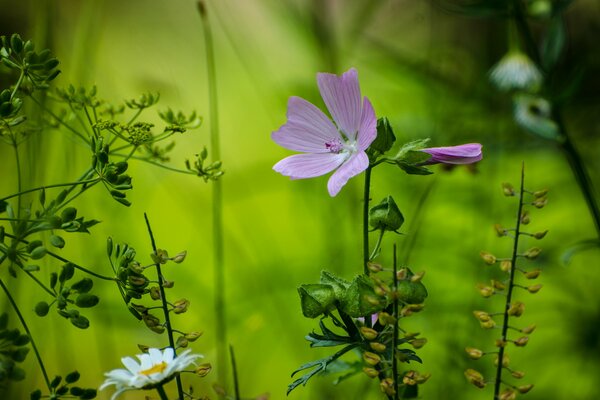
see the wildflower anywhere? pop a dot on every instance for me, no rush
(328, 147)
(515, 71)
(462, 154)
(153, 369)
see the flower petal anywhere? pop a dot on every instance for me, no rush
(307, 128)
(368, 126)
(341, 95)
(463, 154)
(354, 166)
(155, 355)
(300, 166)
(131, 364)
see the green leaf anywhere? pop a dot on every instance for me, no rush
(56, 381)
(67, 271)
(385, 137)
(36, 395)
(19, 354)
(3, 321)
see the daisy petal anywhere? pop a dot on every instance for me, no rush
(307, 128)
(300, 166)
(354, 166)
(368, 126)
(131, 364)
(341, 95)
(155, 355)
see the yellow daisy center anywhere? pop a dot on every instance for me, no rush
(156, 368)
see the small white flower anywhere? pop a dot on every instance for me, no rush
(153, 369)
(515, 71)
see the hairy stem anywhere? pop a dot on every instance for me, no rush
(366, 199)
(217, 198)
(165, 308)
(511, 285)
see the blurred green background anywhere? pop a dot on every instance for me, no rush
(423, 67)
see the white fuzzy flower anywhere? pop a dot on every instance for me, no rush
(153, 369)
(515, 71)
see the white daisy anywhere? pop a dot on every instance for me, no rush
(153, 369)
(515, 71)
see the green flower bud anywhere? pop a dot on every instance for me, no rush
(338, 284)
(316, 299)
(360, 300)
(386, 215)
(410, 292)
(86, 300)
(42, 308)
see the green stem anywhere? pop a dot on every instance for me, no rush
(395, 337)
(165, 306)
(217, 198)
(161, 392)
(18, 84)
(51, 186)
(366, 199)
(24, 324)
(59, 120)
(236, 386)
(154, 163)
(511, 285)
(377, 245)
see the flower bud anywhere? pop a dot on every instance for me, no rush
(488, 258)
(182, 342)
(143, 348)
(516, 309)
(500, 343)
(475, 378)
(387, 386)
(410, 335)
(418, 343)
(525, 217)
(498, 285)
(315, 299)
(181, 306)
(532, 253)
(422, 378)
(417, 277)
(409, 378)
(500, 231)
(505, 361)
(179, 257)
(155, 293)
(508, 189)
(534, 288)
(374, 267)
(158, 329)
(160, 256)
(522, 341)
(474, 354)
(485, 291)
(168, 284)
(371, 372)
(371, 358)
(386, 215)
(203, 369)
(540, 235)
(540, 193)
(378, 347)
(368, 333)
(192, 336)
(482, 316)
(525, 388)
(150, 320)
(508, 394)
(401, 274)
(529, 329)
(540, 203)
(487, 324)
(386, 319)
(505, 265)
(533, 274)
(517, 374)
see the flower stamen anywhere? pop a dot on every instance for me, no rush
(155, 369)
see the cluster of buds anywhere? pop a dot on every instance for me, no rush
(509, 267)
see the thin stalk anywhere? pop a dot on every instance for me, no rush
(161, 392)
(19, 178)
(236, 386)
(24, 324)
(165, 307)
(217, 198)
(498, 380)
(20, 193)
(395, 337)
(377, 245)
(59, 120)
(366, 199)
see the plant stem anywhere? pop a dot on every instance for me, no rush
(165, 307)
(236, 386)
(24, 324)
(19, 178)
(217, 199)
(511, 285)
(20, 193)
(377, 244)
(395, 337)
(161, 392)
(366, 199)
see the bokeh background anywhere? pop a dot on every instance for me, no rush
(422, 66)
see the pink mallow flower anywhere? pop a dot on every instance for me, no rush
(325, 146)
(462, 154)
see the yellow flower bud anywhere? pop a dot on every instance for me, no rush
(528, 329)
(181, 306)
(508, 394)
(516, 309)
(488, 258)
(517, 374)
(525, 388)
(417, 277)
(482, 316)
(488, 324)
(532, 253)
(485, 291)
(474, 353)
(386, 319)
(533, 274)
(409, 378)
(203, 369)
(475, 378)
(505, 265)
(525, 217)
(368, 333)
(534, 288)
(540, 193)
(401, 274)
(540, 235)
(498, 285)
(179, 257)
(371, 358)
(508, 189)
(387, 386)
(505, 361)
(418, 343)
(374, 267)
(522, 341)
(500, 231)
(422, 378)
(371, 372)
(541, 202)
(378, 347)
(500, 343)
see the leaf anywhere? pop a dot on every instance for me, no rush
(385, 137)
(583, 245)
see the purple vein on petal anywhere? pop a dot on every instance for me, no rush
(309, 165)
(341, 95)
(368, 126)
(352, 167)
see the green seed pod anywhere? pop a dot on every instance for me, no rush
(83, 286)
(68, 214)
(16, 43)
(411, 292)
(80, 322)
(316, 299)
(360, 300)
(386, 215)
(57, 241)
(339, 285)
(41, 309)
(38, 253)
(66, 273)
(86, 300)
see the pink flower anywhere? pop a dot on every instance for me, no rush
(463, 154)
(327, 147)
